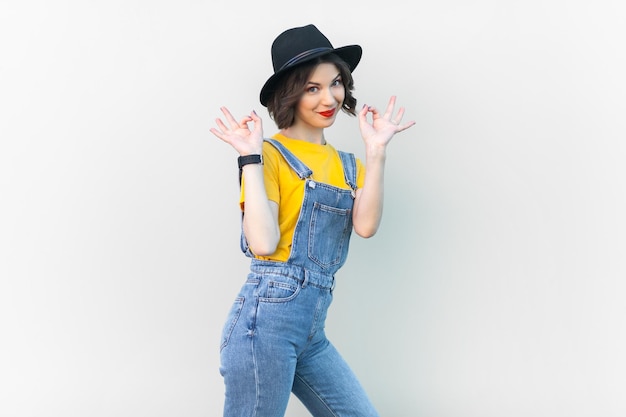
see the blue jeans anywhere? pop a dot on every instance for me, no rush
(274, 343)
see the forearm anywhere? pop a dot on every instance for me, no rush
(368, 204)
(260, 221)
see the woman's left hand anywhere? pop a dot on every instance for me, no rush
(379, 132)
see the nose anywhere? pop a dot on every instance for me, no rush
(328, 98)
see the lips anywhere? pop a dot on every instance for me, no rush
(328, 113)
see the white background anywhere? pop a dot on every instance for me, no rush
(495, 286)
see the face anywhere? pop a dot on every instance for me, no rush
(322, 98)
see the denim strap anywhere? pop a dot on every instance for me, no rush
(349, 168)
(302, 170)
(347, 159)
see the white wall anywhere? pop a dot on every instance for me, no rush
(494, 288)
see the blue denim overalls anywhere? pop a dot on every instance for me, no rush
(273, 340)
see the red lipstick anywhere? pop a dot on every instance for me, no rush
(328, 113)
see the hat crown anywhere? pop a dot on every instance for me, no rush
(303, 44)
(296, 44)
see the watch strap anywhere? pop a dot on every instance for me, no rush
(249, 159)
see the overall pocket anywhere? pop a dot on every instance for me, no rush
(329, 232)
(277, 288)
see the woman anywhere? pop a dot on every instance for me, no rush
(301, 198)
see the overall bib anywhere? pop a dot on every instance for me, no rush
(273, 342)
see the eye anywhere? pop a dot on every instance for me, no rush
(312, 89)
(337, 82)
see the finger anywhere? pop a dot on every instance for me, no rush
(218, 133)
(390, 106)
(221, 125)
(399, 115)
(229, 117)
(375, 112)
(255, 117)
(244, 122)
(404, 126)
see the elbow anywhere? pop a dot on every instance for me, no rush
(265, 246)
(366, 222)
(262, 250)
(365, 232)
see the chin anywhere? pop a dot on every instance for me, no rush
(328, 122)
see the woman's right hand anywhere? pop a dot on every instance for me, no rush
(238, 134)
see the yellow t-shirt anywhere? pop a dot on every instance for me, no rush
(284, 187)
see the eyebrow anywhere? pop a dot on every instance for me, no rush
(317, 84)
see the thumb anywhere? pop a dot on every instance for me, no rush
(258, 122)
(363, 114)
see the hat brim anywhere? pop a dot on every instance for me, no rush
(351, 54)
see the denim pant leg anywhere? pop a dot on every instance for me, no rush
(326, 385)
(258, 355)
(257, 384)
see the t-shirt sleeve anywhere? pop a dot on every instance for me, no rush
(270, 175)
(360, 173)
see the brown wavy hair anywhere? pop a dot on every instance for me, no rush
(281, 105)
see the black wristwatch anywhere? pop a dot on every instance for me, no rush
(249, 159)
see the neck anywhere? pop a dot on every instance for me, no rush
(308, 135)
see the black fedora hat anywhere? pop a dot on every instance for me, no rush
(297, 45)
